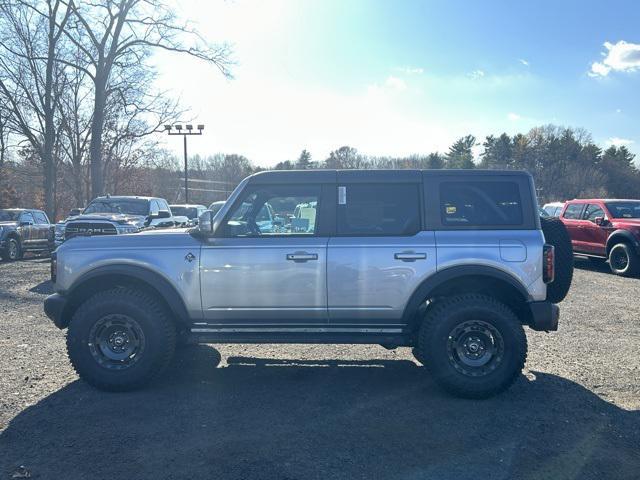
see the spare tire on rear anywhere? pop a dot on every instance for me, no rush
(555, 233)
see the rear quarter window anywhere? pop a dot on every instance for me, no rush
(482, 204)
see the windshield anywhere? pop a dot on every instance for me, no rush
(624, 209)
(189, 212)
(9, 215)
(125, 206)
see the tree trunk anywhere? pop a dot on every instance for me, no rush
(49, 127)
(97, 125)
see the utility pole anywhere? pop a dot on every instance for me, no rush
(187, 131)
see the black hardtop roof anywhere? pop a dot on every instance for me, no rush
(364, 176)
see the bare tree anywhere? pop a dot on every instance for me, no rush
(29, 40)
(118, 34)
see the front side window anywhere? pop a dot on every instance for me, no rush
(378, 209)
(273, 211)
(40, 217)
(480, 204)
(629, 209)
(592, 212)
(26, 217)
(573, 211)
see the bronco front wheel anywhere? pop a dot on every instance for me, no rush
(474, 346)
(120, 339)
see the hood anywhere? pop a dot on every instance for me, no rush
(112, 217)
(149, 239)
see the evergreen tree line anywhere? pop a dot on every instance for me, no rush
(564, 162)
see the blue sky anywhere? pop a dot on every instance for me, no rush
(401, 77)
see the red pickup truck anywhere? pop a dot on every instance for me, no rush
(606, 230)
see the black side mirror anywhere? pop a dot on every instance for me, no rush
(601, 221)
(26, 223)
(164, 214)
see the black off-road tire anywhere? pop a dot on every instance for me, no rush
(631, 266)
(555, 233)
(152, 325)
(437, 335)
(12, 250)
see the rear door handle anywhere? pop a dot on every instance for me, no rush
(409, 256)
(302, 256)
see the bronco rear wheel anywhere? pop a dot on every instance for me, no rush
(473, 345)
(120, 339)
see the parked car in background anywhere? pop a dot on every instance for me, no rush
(23, 230)
(115, 215)
(553, 209)
(190, 212)
(216, 206)
(606, 230)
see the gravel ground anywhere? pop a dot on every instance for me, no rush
(323, 412)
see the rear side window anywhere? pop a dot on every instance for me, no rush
(573, 211)
(378, 209)
(480, 203)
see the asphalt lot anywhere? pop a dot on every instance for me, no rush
(323, 412)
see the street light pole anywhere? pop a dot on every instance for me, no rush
(188, 130)
(186, 172)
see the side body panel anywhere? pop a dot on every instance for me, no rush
(252, 280)
(370, 279)
(515, 252)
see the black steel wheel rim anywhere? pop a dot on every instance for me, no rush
(475, 348)
(619, 259)
(116, 342)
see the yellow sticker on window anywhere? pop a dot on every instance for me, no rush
(451, 210)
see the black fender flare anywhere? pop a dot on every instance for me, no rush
(621, 235)
(434, 281)
(154, 280)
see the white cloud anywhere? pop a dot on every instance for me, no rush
(411, 70)
(618, 110)
(619, 142)
(395, 83)
(523, 62)
(476, 74)
(621, 57)
(513, 116)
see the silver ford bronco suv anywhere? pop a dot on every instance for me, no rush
(450, 263)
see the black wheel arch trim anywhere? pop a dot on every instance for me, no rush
(153, 279)
(434, 281)
(617, 236)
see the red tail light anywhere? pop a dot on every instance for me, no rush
(548, 263)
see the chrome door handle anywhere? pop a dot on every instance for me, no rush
(302, 256)
(410, 256)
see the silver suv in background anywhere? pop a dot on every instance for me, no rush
(189, 212)
(451, 263)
